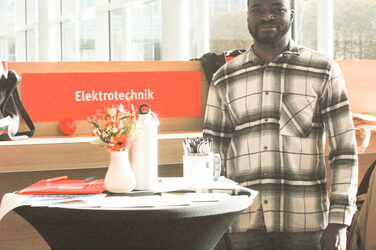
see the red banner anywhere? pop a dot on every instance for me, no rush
(3, 67)
(57, 96)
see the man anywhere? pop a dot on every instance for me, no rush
(268, 112)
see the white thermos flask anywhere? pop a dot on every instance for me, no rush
(145, 149)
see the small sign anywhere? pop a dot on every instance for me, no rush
(57, 96)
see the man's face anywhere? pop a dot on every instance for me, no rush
(269, 20)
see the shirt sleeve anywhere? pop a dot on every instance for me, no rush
(335, 109)
(217, 123)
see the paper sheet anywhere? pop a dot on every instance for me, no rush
(142, 202)
(82, 200)
(168, 192)
(223, 185)
(11, 201)
(163, 200)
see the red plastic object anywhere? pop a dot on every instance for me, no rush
(67, 126)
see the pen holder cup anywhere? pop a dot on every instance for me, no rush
(201, 170)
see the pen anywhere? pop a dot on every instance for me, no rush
(60, 178)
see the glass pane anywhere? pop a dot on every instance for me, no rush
(69, 42)
(227, 5)
(306, 19)
(238, 5)
(354, 29)
(31, 11)
(87, 40)
(7, 28)
(7, 15)
(57, 8)
(68, 7)
(84, 4)
(79, 41)
(7, 49)
(136, 32)
(228, 25)
(32, 48)
(193, 29)
(219, 6)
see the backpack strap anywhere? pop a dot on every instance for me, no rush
(363, 186)
(24, 115)
(6, 88)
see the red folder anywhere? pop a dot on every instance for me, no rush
(61, 185)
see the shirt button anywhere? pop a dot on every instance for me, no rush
(266, 92)
(266, 202)
(265, 148)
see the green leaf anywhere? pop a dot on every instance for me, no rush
(127, 129)
(99, 142)
(95, 124)
(124, 115)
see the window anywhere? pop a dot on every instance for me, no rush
(79, 30)
(70, 7)
(32, 45)
(31, 11)
(7, 30)
(306, 23)
(228, 25)
(136, 32)
(69, 38)
(355, 29)
(227, 5)
(87, 40)
(32, 34)
(78, 43)
(192, 24)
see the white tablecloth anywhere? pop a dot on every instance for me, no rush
(168, 193)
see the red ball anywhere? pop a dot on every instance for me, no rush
(67, 126)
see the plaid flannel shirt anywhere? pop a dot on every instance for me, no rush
(269, 122)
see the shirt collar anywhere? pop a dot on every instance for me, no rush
(291, 49)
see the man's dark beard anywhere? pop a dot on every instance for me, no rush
(272, 41)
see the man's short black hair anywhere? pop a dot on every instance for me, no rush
(291, 3)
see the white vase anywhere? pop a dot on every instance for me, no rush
(119, 177)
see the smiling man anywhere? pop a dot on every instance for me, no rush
(268, 112)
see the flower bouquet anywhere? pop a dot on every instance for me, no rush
(115, 128)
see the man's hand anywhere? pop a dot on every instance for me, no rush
(334, 237)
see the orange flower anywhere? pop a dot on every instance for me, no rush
(115, 128)
(120, 142)
(3, 132)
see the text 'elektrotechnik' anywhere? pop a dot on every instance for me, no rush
(99, 96)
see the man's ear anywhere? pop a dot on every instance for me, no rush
(292, 15)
